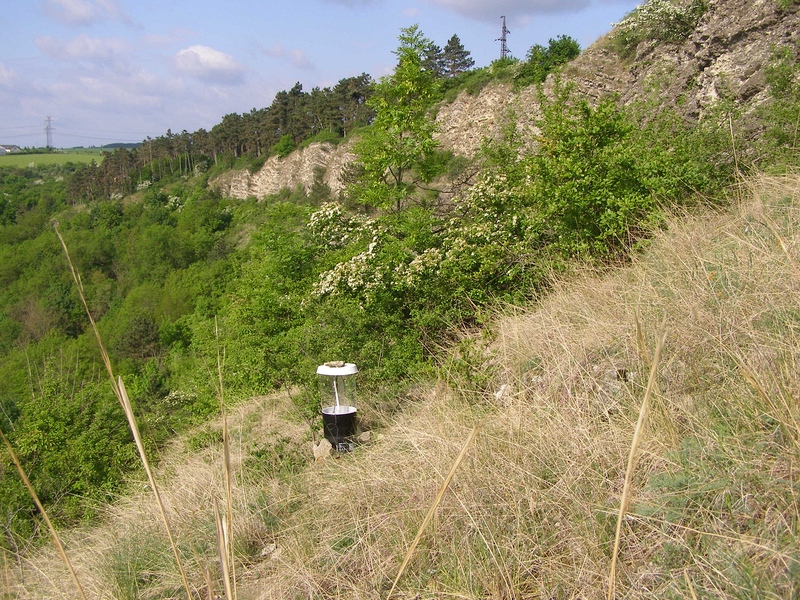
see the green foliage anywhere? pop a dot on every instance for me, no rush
(782, 114)
(323, 137)
(541, 61)
(588, 186)
(255, 164)
(401, 136)
(284, 146)
(472, 82)
(599, 178)
(71, 435)
(146, 268)
(504, 69)
(659, 20)
(279, 457)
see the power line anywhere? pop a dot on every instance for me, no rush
(30, 127)
(32, 130)
(97, 137)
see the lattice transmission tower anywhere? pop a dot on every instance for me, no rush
(504, 51)
(48, 130)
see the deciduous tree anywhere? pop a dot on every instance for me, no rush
(401, 137)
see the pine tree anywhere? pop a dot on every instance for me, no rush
(456, 58)
(433, 60)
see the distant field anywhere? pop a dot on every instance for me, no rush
(23, 160)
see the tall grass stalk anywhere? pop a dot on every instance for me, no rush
(126, 406)
(226, 446)
(433, 508)
(37, 502)
(689, 584)
(223, 544)
(122, 396)
(637, 438)
(787, 411)
(774, 229)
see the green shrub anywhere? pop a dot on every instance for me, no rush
(284, 146)
(782, 114)
(255, 164)
(541, 61)
(324, 137)
(659, 20)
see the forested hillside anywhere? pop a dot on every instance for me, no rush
(419, 247)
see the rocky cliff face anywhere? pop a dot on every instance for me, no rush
(301, 167)
(723, 58)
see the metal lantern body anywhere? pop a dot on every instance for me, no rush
(338, 394)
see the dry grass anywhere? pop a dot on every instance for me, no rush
(53, 533)
(532, 510)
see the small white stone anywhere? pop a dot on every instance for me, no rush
(322, 450)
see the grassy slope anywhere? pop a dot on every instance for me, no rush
(533, 508)
(24, 160)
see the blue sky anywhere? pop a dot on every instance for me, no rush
(122, 70)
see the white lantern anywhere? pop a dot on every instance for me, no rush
(338, 394)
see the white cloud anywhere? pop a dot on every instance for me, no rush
(299, 59)
(296, 57)
(276, 51)
(7, 76)
(82, 12)
(517, 9)
(82, 47)
(169, 39)
(209, 65)
(106, 93)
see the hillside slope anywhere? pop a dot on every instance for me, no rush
(555, 393)
(722, 59)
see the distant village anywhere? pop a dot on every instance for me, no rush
(9, 149)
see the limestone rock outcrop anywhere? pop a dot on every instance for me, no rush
(322, 161)
(724, 57)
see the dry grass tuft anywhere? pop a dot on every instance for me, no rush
(53, 533)
(533, 508)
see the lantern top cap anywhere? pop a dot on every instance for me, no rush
(337, 368)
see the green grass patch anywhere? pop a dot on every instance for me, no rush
(38, 160)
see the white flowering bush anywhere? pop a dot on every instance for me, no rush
(486, 236)
(200, 167)
(174, 203)
(379, 263)
(329, 227)
(362, 274)
(481, 220)
(419, 261)
(661, 20)
(143, 185)
(178, 398)
(420, 270)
